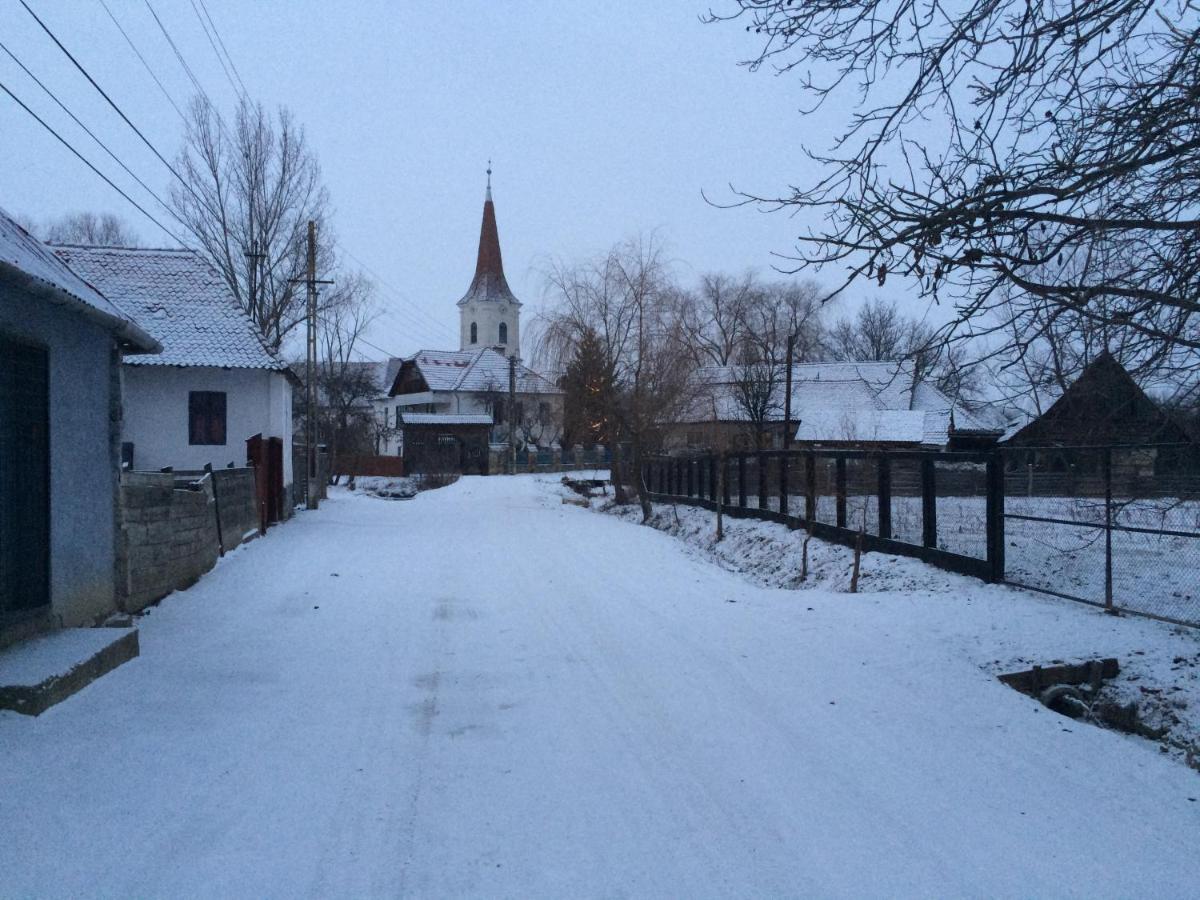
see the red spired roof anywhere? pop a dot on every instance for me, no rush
(489, 284)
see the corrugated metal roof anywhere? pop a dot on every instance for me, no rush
(180, 300)
(25, 253)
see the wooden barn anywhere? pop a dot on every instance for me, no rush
(1105, 408)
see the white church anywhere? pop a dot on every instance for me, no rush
(462, 395)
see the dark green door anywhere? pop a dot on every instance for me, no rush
(24, 478)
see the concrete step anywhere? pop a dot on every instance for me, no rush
(43, 671)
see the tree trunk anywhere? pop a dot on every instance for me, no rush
(639, 483)
(618, 487)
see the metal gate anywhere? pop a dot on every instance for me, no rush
(24, 479)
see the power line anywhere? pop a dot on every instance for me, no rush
(138, 53)
(221, 41)
(111, 102)
(91, 134)
(216, 52)
(88, 163)
(397, 293)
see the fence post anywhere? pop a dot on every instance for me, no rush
(208, 470)
(762, 480)
(885, 496)
(928, 503)
(1108, 530)
(741, 480)
(810, 487)
(783, 483)
(995, 517)
(840, 487)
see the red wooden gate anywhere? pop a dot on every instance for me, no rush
(266, 455)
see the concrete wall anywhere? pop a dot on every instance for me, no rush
(156, 415)
(85, 414)
(169, 534)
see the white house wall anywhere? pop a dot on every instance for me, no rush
(156, 414)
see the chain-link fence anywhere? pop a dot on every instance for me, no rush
(1117, 527)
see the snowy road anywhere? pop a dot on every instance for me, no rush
(482, 692)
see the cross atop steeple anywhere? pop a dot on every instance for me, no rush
(489, 184)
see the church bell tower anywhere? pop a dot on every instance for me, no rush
(489, 314)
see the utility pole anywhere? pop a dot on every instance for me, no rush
(512, 415)
(310, 380)
(787, 394)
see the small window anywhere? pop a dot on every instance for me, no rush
(386, 411)
(543, 413)
(504, 332)
(474, 333)
(206, 417)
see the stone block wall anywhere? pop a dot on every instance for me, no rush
(234, 489)
(169, 532)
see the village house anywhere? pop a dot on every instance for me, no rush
(458, 400)
(62, 343)
(872, 405)
(214, 387)
(1105, 407)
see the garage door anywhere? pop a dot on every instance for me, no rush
(24, 479)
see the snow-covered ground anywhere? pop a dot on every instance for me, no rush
(486, 692)
(1152, 572)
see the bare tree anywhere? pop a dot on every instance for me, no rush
(251, 189)
(347, 386)
(1007, 138)
(879, 332)
(624, 300)
(712, 318)
(95, 230)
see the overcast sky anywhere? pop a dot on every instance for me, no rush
(603, 120)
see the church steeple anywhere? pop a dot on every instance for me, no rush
(489, 312)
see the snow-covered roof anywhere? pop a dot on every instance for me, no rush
(21, 251)
(475, 370)
(833, 400)
(828, 425)
(445, 419)
(180, 300)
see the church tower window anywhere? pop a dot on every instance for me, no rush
(474, 333)
(503, 333)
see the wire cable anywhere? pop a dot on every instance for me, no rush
(88, 163)
(92, 135)
(217, 53)
(220, 41)
(139, 55)
(112, 103)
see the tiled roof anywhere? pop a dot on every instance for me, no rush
(22, 251)
(445, 419)
(180, 300)
(476, 370)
